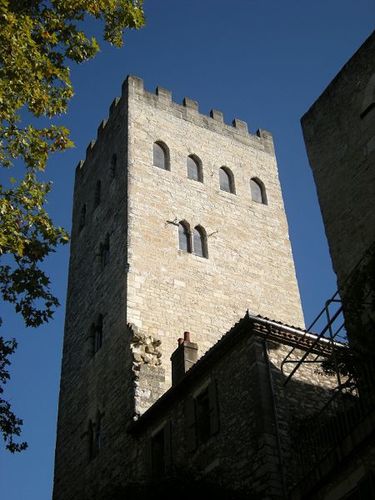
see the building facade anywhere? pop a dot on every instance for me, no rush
(178, 224)
(339, 131)
(231, 422)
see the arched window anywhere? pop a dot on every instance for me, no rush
(184, 236)
(200, 242)
(82, 219)
(161, 155)
(226, 180)
(258, 191)
(98, 194)
(194, 168)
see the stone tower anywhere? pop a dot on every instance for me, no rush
(339, 131)
(178, 224)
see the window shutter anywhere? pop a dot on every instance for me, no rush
(214, 407)
(190, 433)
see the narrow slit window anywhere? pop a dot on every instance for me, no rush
(226, 180)
(98, 194)
(82, 219)
(113, 166)
(200, 242)
(98, 433)
(98, 334)
(104, 251)
(91, 440)
(194, 168)
(184, 237)
(161, 156)
(95, 436)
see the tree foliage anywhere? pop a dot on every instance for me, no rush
(38, 39)
(10, 425)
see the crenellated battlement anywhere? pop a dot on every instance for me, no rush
(190, 108)
(187, 110)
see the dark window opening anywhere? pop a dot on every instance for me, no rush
(202, 416)
(226, 180)
(194, 168)
(113, 166)
(98, 194)
(95, 437)
(91, 441)
(98, 433)
(161, 156)
(82, 219)
(97, 334)
(158, 454)
(104, 251)
(184, 237)
(200, 242)
(258, 191)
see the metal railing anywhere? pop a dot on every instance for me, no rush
(318, 436)
(349, 402)
(332, 335)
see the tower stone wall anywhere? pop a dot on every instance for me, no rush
(132, 292)
(249, 264)
(339, 132)
(96, 385)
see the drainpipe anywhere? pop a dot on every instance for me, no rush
(276, 420)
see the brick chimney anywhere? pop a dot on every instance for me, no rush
(183, 358)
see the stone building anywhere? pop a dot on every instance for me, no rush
(230, 421)
(339, 131)
(179, 225)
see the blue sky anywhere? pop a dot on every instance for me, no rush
(262, 62)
